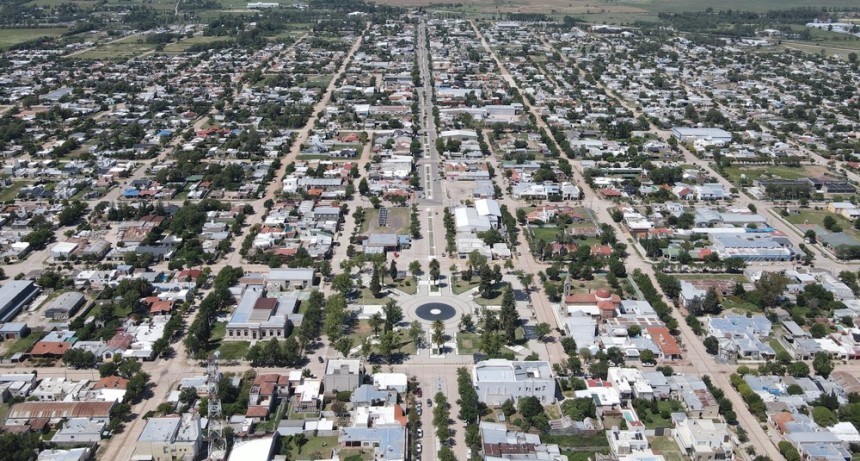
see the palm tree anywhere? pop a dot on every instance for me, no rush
(376, 321)
(438, 334)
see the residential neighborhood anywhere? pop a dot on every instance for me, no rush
(400, 231)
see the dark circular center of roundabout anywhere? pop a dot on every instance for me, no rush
(435, 311)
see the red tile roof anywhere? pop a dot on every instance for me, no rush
(56, 349)
(111, 382)
(664, 340)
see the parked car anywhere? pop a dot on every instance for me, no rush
(418, 447)
(420, 432)
(429, 402)
(419, 392)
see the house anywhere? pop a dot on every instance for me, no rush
(80, 431)
(166, 439)
(14, 295)
(702, 439)
(501, 444)
(23, 413)
(387, 443)
(74, 454)
(498, 380)
(384, 243)
(390, 381)
(343, 375)
(63, 307)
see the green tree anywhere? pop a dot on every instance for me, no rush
(509, 318)
(438, 336)
(822, 364)
(344, 345)
(375, 285)
(376, 321)
(542, 330)
(770, 287)
(393, 314)
(712, 345)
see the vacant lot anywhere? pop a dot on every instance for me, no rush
(752, 173)
(186, 43)
(11, 37)
(398, 222)
(121, 49)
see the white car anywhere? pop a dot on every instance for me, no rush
(418, 447)
(420, 432)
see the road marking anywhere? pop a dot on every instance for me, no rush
(431, 235)
(428, 183)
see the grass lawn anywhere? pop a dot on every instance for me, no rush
(125, 48)
(751, 173)
(547, 234)
(406, 285)
(186, 43)
(667, 447)
(234, 350)
(315, 448)
(11, 37)
(11, 192)
(365, 297)
(468, 343)
(777, 347)
(24, 344)
(4, 410)
(739, 306)
(652, 420)
(494, 301)
(817, 217)
(219, 330)
(462, 286)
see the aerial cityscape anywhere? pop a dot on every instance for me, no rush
(400, 230)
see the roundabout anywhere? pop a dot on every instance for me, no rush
(430, 312)
(446, 308)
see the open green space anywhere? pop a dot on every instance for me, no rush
(547, 234)
(461, 286)
(468, 343)
(315, 448)
(735, 173)
(124, 48)
(667, 447)
(12, 37)
(11, 192)
(185, 43)
(366, 298)
(740, 306)
(579, 447)
(234, 350)
(407, 285)
(24, 344)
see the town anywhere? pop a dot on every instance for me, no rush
(355, 231)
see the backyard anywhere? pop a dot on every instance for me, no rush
(24, 344)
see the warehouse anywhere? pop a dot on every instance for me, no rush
(14, 296)
(63, 307)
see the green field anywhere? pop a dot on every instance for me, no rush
(752, 173)
(11, 37)
(121, 49)
(667, 447)
(816, 217)
(24, 344)
(186, 43)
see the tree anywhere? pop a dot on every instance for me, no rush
(818, 330)
(344, 345)
(393, 314)
(542, 329)
(434, 269)
(375, 322)
(634, 331)
(438, 335)
(798, 369)
(416, 333)
(712, 345)
(569, 345)
(387, 344)
(335, 315)
(822, 364)
(375, 285)
(734, 264)
(342, 283)
(509, 318)
(392, 271)
(467, 323)
(415, 269)
(770, 287)
(647, 356)
(824, 417)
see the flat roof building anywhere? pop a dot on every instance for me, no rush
(64, 306)
(497, 380)
(166, 439)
